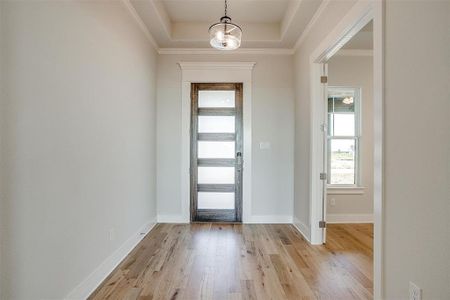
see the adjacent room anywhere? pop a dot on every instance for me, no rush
(224, 149)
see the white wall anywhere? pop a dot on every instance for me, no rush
(356, 71)
(272, 121)
(417, 149)
(78, 141)
(332, 14)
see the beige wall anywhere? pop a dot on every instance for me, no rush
(272, 121)
(417, 149)
(356, 71)
(78, 141)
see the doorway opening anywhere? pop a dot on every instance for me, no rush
(216, 152)
(347, 164)
(363, 14)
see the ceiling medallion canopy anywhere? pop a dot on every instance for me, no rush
(225, 35)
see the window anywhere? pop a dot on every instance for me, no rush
(343, 136)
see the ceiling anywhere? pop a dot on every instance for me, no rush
(185, 23)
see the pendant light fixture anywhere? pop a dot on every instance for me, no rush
(225, 35)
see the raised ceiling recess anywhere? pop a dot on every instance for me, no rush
(185, 23)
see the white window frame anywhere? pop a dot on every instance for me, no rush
(357, 137)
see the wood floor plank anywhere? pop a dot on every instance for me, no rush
(235, 261)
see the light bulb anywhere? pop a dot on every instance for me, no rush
(219, 35)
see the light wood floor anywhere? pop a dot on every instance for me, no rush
(229, 261)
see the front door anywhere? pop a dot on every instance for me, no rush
(216, 152)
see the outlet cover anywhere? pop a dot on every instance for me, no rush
(415, 292)
(332, 202)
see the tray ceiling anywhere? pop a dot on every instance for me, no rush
(265, 23)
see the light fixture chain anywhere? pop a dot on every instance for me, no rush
(226, 8)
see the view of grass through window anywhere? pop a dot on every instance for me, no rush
(343, 136)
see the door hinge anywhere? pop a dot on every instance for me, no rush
(322, 224)
(323, 176)
(323, 79)
(323, 127)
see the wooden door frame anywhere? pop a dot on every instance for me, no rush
(238, 138)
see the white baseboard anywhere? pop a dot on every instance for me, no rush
(302, 228)
(269, 219)
(172, 219)
(90, 283)
(349, 218)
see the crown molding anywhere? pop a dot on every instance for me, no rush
(130, 8)
(211, 51)
(311, 23)
(216, 65)
(354, 52)
(163, 17)
(289, 17)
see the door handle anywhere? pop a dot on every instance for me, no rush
(239, 159)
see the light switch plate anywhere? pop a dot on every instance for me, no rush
(415, 292)
(112, 234)
(264, 145)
